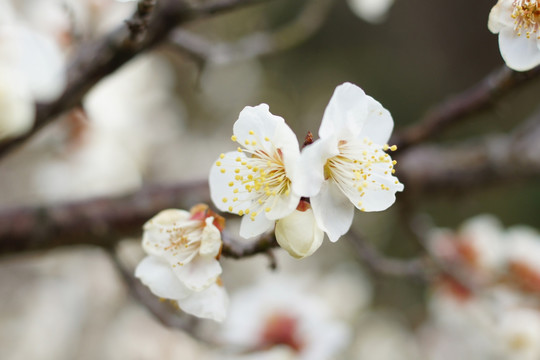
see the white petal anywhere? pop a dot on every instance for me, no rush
(200, 273)
(159, 277)
(43, 63)
(378, 125)
(211, 303)
(17, 107)
(500, 16)
(518, 52)
(155, 236)
(221, 192)
(263, 124)
(310, 176)
(299, 234)
(167, 217)
(333, 211)
(251, 228)
(375, 198)
(346, 111)
(282, 206)
(211, 240)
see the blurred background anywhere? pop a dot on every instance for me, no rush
(164, 117)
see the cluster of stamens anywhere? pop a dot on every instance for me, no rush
(180, 240)
(259, 177)
(527, 17)
(353, 168)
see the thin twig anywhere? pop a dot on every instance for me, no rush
(162, 310)
(416, 268)
(482, 162)
(309, 20)
(235, 249)
(480, 97)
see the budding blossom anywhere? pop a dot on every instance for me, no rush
(373, 11)
(255, 181)
(298, 233)
(348, 166)
(517, 23)
(182, 264)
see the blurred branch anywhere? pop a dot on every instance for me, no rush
(162, 310)
(138, 24)
(105, 221)
(379, 263)
(94, 61)
(480, 97)
(481, 162)
(309, 20)
(99, 222)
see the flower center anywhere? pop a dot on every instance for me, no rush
(259, 177)
(527, 16)
(354, 169)
(281, 329)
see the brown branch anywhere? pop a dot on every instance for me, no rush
(309, 20)
(235, 249)
(99, 222)
(96, 60)
(379, 263)
(103, 222)
(478, 98)
(162, 310)
(138, 24)
(479, 163)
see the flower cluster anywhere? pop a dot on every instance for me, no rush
(517, 22)
(182, 264)
(495, 315)
(267, 179)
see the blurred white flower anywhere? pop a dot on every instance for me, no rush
(182, 265)
(279, 311)
(478, 246)
(373, 11)
(517, 22)
(523, 257)
(255, 181)
(518, 332)
(348, 165)
(31, 69)
(298, 233)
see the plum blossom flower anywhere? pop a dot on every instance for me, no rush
(182, 264)
(255, 181)
(517, 22)
(281, 311)
(298, 233)
(348, 166)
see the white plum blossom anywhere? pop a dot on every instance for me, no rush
(348, 166)
(298, 233)
(255, 181)
(281, 311)
(517, 22)
(182, 264)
